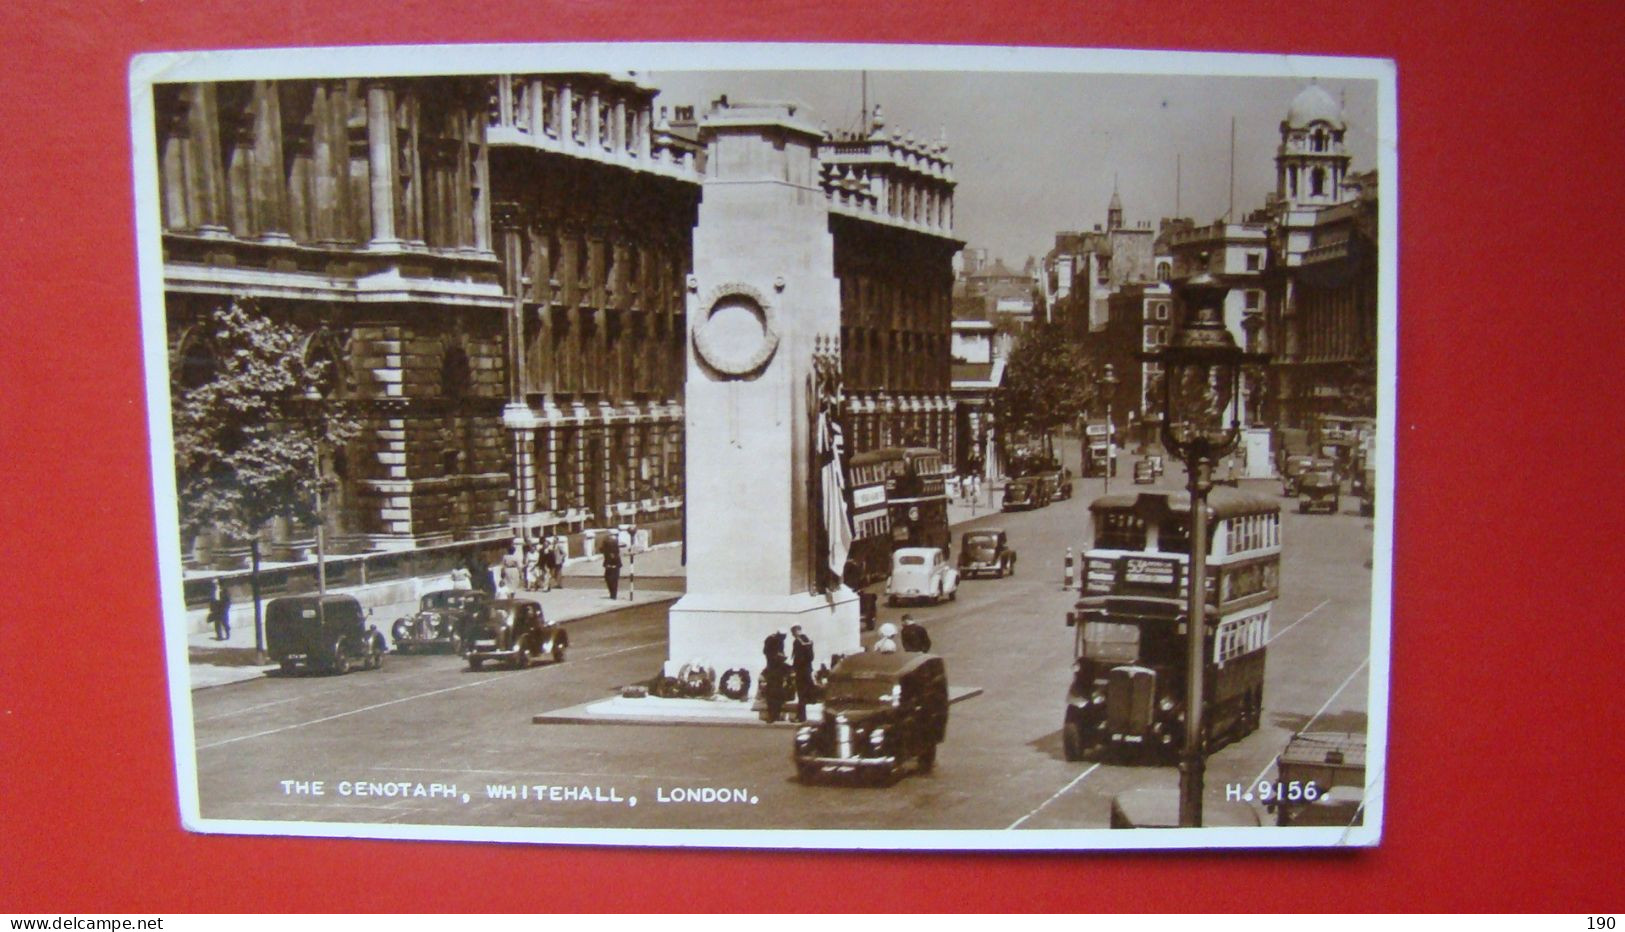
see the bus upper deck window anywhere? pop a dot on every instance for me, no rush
(1119, 530)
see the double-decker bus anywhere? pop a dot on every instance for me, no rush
(1129, 679)
(898, 498)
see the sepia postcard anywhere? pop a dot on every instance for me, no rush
(778, 446)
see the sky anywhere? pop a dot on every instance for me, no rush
(1038, 153)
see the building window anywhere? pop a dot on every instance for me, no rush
(1254, 261)
(1254, 300)
(1162, 311)
(1164, 271)
(1317, 182)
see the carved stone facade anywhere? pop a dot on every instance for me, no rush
(595, 217)
(358, 212)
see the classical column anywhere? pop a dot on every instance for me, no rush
(381, 163)
(206, 187)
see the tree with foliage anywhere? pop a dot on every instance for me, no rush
(250, 418)
(1049, 383)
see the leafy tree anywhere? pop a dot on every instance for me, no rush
(249, 420)
(1049, 383)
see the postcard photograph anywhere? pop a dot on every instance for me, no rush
(773, 446)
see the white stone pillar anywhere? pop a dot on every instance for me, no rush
(763, 295)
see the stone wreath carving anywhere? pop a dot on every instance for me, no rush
(736, 361)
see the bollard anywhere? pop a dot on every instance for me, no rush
(1066, 583)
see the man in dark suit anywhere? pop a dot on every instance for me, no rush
(773, 676)
(610, 547)
(915, 638)
(801, 661)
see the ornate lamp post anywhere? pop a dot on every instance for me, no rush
(1108, 382)
(1201, 387)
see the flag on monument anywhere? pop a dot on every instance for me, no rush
(837, 526)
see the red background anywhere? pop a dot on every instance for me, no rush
(1505, 751)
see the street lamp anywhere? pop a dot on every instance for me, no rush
(1201, 384)
(1108, 382)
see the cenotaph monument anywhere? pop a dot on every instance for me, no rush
(763, 305)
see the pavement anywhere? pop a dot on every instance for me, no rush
(655, 710)
(656, 575)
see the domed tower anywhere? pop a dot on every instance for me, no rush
(1114, 210)
(1312, 159)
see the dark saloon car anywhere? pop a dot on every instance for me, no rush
(328, 634)
(439, 621)
(881, 711)
(1318, 490)
(1292, 469)
(1143, 473)
(513, 631)
(986, 552)
(1022, 494)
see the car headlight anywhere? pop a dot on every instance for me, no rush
(877, 737)
(1166, 705)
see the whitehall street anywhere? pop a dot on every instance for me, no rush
(425, 741)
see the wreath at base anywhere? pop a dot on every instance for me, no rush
(735, 684)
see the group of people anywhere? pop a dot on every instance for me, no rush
(782, 673)
(913, 638)
(531, 565)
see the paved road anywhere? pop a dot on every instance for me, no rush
(426, 724)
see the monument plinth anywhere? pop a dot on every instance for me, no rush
(762, 302)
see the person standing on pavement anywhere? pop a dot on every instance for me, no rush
(220, 612)
(511, 562)
(915, 638)
(801, 661)
(610, 547)
(773, 676)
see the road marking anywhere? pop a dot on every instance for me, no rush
(251, 708)
(1058, 794)
(1278, 635)
(433, 692)
(1318, 713)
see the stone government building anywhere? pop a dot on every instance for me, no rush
(497, 269)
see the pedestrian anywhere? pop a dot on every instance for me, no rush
(610, 547)
(511, 562)
(801, 661)
(461, 578)
(773, 676)
(502, 591)
(887, 642)
(533, 565)
(915, 638)
(220, 612)
(561, 556)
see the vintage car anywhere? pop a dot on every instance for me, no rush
(1024, 493)
(328, 634)
(515, 631)
(1057, 484)
(881, 711)
(1320, 780)
(1292, 468)
(439, 621)
(921, 574)
(986, 552)
(1143, 473)
(1318, 489)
